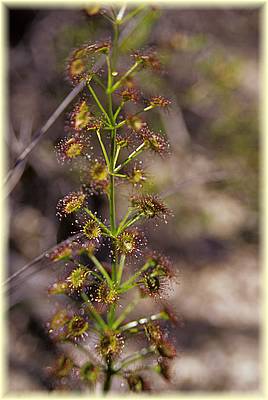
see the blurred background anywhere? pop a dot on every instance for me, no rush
(210, 181)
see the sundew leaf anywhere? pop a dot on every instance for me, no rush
(73, 37)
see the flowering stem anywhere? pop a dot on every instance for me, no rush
(112, 205)
(131, 156)
(111, 312)
(113, 146)
(112, 202)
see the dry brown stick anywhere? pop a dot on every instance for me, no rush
(40, 133)
(26, 267)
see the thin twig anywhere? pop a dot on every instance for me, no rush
(41, 132)
(38, 259)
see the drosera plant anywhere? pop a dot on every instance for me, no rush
(94, 321)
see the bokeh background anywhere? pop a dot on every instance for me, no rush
(211, 74)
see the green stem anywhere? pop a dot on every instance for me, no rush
(134, 115)
(136, 357)
(129, 223)
(101, 224)
(98, 81)
(91, 272)
(125, 312)
(116, 155)
(101, 269)
(119, 175)
(142, 321)
(111, 314)
(98, 102)
(121, 267)
(120, 124)
(134, 277)
(132, 14)
(124, 220)
(129, 72)
(103, 149)
(108, 18)
(110, 77)
(109, 128)
(131, 156)
(114, 264)
(108, 378)
(118, 110)
(97, 275)
(112, 193)
(148, 108)
(115, 44)
(121, 13)
(93, 311)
